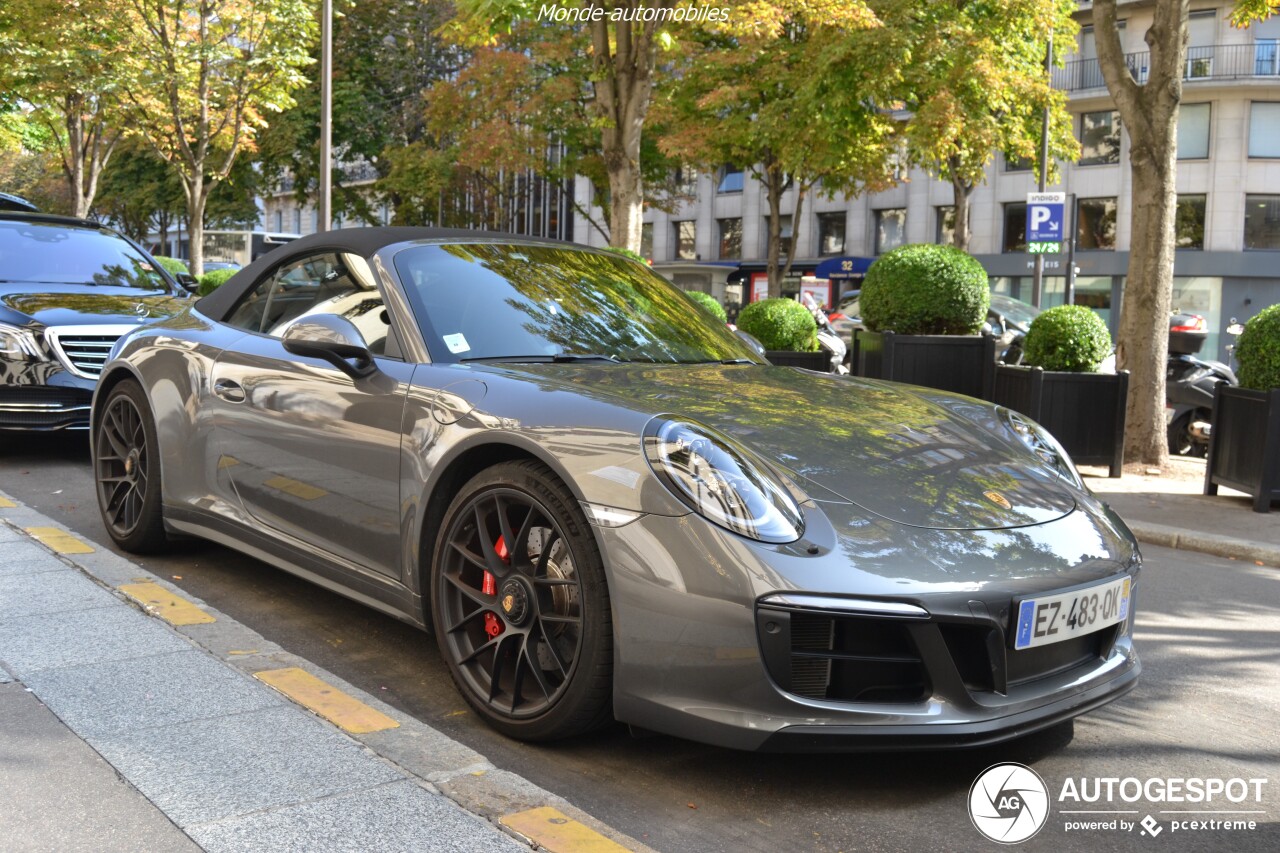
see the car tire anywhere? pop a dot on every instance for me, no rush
(520, 605)
(126, 469)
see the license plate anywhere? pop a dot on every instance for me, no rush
(1054, 618)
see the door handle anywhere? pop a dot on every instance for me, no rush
(230, 391)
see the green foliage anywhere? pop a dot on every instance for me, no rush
(924, 289)
(780, 324)
(1258, 350)
(173, 265)
(707, 301)
(627, 253)
(1069, 337)
(210, 281)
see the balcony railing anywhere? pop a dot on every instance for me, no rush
(1260, 60)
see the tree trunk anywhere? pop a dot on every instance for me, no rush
(773, 182)
(197, 196)
(626, 203)
(88, 147)
(962, 193)
(796, 214)
(1150, 114)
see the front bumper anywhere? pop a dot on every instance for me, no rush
(698, 658)
(42, 397)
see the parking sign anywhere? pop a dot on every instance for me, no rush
(1044, 217)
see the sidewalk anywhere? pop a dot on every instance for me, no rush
(1168, 508)
(121, 731)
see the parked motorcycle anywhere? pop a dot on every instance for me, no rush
(1189, 385)
(828, 338)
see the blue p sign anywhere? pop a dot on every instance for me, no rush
(1044, 217)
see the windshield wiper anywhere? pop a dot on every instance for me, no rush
(562, 358)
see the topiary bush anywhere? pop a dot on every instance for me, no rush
(923, 289)
(780, 324)
(707, 301)
(210, 281)
(172, 265)
(1071, 338)
(1258, 350)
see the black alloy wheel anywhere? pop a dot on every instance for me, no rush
(127, 470)
(520, 608)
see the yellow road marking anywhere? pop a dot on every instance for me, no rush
(169, 606)
(5, 503)
(305, 491)
(59, 540)
(553, 831)
(337, 707)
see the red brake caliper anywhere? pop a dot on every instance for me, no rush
(492, 624)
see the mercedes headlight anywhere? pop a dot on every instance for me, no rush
(722, 481)
(18, 344)
(1039, 441)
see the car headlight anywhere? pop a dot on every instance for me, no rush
(1039, 441)
(722, 481)
(18, 344)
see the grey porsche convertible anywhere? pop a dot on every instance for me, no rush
(605, 506)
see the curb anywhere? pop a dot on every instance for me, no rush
(438, 762)
(1205, 543)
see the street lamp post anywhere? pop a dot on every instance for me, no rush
(1037, 279)
(324, 209)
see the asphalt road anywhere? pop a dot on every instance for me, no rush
(1209, 634)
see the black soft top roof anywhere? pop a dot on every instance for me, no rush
(357, 241)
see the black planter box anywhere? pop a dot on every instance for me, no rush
(819, 361)
(1244, 445)
(962, 364)
(1084, 411)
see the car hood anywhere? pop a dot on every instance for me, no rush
(73, 304)
(911, 455)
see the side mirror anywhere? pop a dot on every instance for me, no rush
(189, 283)
(334, 339)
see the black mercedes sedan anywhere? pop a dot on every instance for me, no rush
(69, 289)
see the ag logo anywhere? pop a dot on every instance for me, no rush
(1008, 803)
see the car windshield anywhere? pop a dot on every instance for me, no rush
(51, 253)
(491, 301)
(1014, 310)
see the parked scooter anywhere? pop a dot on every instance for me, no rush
(828, 338)
(1189, 385)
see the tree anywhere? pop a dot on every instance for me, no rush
(204, 73)
(66, 59)
(624, 40)
(743, 95)
(972, 77)
(1150, 113)
(386, 54)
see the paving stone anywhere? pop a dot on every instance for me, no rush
(141, 693)
(113, 631)
(48, 592)
(20, 556)
(398, 817)
(205, 770)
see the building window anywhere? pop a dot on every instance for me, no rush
(1202, 30)
(1015, 227)
(686, 240)
(279, 221)
(891, 229)
(831, 227)
(730, 238)
(1262, 222)
(1264, 129)
(945, 234)
(1014, 163)
(1189, 222)
(1266, 47)
(297, 220)
(687, 181)
(1096, 224)
(785, 240)
(646, 240)
(1099, 138)
(730, 180)
(1193, 131)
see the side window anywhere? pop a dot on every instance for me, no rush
(320, 284)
